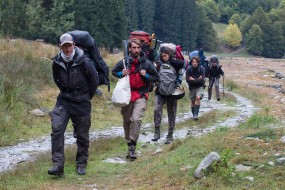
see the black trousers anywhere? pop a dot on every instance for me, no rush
(80, 113)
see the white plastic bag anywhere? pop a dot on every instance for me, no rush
(122, 93)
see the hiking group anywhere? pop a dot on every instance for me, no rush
(78, 69)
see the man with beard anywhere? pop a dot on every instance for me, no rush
(142, 73)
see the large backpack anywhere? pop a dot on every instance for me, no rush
(150, 46)
(179, 53)
(85, 41)
(167, 79)
(203, 61)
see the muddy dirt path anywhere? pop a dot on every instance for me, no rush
(11, 156)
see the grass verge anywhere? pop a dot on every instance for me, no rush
(172, 168)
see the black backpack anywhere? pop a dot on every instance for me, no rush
(85, 41)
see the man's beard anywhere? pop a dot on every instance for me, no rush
(136, 55)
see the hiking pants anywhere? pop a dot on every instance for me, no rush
(60, 116)
(132, 119)
(171, 103)
(212, 81)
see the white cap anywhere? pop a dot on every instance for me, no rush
(66, 38)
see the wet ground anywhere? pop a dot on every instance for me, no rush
(11, 156)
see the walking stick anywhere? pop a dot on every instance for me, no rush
(223, 87)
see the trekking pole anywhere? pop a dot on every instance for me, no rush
(223, 87)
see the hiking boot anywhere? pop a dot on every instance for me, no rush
(218, 99)
(56, 170)
(156, 133)
(131, 154)
(196, 111)
(169, 138)
(81, 170)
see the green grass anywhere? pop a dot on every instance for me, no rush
(231, 85)
(165, 170)
(266, 135)
(220, 29)
(259, 120)
(21, 76)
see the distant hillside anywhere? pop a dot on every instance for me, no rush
(223, 50)
(220, 29)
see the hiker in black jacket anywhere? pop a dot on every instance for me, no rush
(77, 80)
(214, 73)
(166, 57)
(195, 77)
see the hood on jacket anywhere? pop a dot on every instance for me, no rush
(76, 59)
(141, 59)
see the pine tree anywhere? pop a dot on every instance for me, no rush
(131, 13)
(246, 24)
(235, 19)
(260, 18)
(273, 45)
(254, 40)
(84, 15)
(207, 36)
(233, 36)
(60, 19)
(211, 9)
(106, 22)
(146, 14)
(118, 26)
(13, 17)
(190, 24)
(177, 22)
(163, 19)
(35, 18)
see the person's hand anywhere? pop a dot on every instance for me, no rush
(200, 77)
(125, 72)
(143, 72)
(191, 78)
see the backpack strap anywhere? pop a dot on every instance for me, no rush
(191, 69)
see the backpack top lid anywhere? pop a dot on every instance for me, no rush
(214, 59)
(141, 35)
(82, 38)
(179, 54)
(193, 54)
(171, 46)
